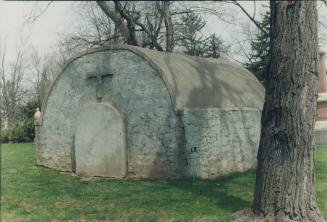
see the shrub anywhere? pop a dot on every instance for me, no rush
(4, 136)
(24, 131)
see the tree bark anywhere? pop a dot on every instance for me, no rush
(131, 39)
(170, 42)
(127, 30)
(285, 173)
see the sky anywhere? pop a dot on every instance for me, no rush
(43, 33)
(61, 17)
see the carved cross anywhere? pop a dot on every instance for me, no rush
(99, 78)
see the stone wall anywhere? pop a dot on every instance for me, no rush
(159, 143)
(137, 91)
(220, 141)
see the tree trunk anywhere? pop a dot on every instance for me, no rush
(285, 173)
(128, 31)
(170, 42)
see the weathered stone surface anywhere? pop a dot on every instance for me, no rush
(136, 90)
(100, 141)
(200, 83)
(220, 141)
(156, 143)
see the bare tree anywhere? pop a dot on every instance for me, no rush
(130, 19)
(123, 17)
(41, 74)
(155, 25)
(11, 83)
(164, 10)
(144, 24)
(251, 17)
(36, 13)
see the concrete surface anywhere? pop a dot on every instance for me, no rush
(321, 133)
(322, 97)
(100, 141)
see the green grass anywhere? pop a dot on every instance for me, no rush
(321, 178)
(31, 193)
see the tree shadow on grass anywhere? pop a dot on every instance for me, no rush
(228, 193)
(231, 192)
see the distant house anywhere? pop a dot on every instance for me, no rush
(321, 117)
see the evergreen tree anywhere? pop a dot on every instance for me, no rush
(259, 57)
(215, 47)
(195, 43)
(191, 37)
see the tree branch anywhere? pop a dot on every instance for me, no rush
(249, 16)
(132, 39)
(32, 18)
(116, 18)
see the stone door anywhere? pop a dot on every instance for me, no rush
(100, 141)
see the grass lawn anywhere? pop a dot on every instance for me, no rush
(30, 193)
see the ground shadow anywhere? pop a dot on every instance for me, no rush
(221, 189)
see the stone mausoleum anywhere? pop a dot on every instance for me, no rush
(132, 112)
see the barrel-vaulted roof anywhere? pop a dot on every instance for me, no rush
(195, 82)
(202, 82)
